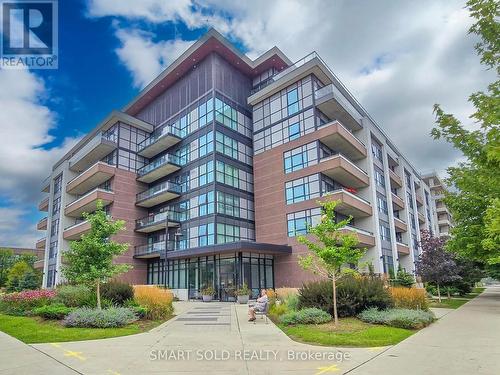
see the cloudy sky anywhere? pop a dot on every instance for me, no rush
(397, 57)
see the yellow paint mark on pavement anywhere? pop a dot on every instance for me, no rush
(324, 370)
(56, 344)
(113, 372)
(375, 349)
(69, 353)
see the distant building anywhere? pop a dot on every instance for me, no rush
(40, 254)
(443, 215)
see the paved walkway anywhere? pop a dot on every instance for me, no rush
(19, 358)
(464, 341)
(207, 338)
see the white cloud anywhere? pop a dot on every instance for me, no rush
(144, 58)
(25, 125)
(398, 58)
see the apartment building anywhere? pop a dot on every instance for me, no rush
(442, 214)
(217, 165)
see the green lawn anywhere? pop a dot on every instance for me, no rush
(350, 332)
(34, 330)
(456, 302)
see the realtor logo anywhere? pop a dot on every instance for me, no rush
(29, 34)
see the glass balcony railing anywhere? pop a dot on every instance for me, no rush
(158, 218)
(165, 131)
(159, 162)
(150, 248)
(164, 187)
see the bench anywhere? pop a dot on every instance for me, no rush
(263, 314)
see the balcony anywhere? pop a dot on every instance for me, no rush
(42, 224)
(421, 218)
(400, 224)
(158, 142)
(44, 205)
(158, 194)
(444, 221)
(350, 204)
(343, 141)
(442, 209)
(159, 168)
(342, 170)
(40, 244)
(75, 232)
(397, 202)
(93, 151)
(419, 199)
(366, 239)
(46, 185)
(150, 250)
(92, 177)
(395, 179)
(88, 202)
(335, 105)
(157, 222)
(39, 264)
(403, 248)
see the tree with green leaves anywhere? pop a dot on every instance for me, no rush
(89, 260)
(330, 248)
(475, 205)
(7, 260)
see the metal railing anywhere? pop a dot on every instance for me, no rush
(158, 218)
(150, 248)
(164, 131)
(358, 230)
(89, 193)
(343, 157)
(157, 163)
(158, 189)
(85, 171)
(331, 89)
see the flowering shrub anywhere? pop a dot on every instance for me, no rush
(22, 303)
(156, 300)
(94, 318)
(409, 298)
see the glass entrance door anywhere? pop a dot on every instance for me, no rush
(227, 280)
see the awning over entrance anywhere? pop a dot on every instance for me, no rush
(243, 246)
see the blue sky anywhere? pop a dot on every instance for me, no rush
(398, 58)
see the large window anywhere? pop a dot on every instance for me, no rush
(227, 174)
(379, 178)
(292, 98)
(228, 204)
(226, 114)
(301, 157)
(53, 250)
(297, 222)
(382, 204)
(206, 234)
(227, 145)
(377, 151)
(58, 184)
(227, 233)
(206, 203)
(302, 189)
(410, 200)
(206, 173)
(294, 131)
(205, 144)
(385, 233)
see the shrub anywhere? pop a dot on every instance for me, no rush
(75, 296)
(283, 293)
(353, 295)
(278, 309)
(208, 291)
(117, 292)
(400, 318)
(157, 301)
(409, 298)
(306, 316)
(22, 276)
(139, 310)
(271, 295)
(403, 279)
(53, 311)
(22, 303)
(94, 318)
(243, 291)
(292, 302)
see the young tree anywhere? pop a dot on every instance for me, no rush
(7, 259)
(475, 206)
(90, 259)
(330, 248)
(435, 264)
(16, 275)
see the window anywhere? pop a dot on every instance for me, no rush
(292, 98)
(301, 157)
(293, 131)
(183, 155)
(227, 233)
(226, 145)
(206, 203)
(206, 234)
(54, 228)
(205, 144)
(302, 189)
(57, 184)
(399, 237)
(408, 179)
(379, 178)
(410, 200)
(53, 250)
(228, 204)
(56, 206)
(382, 205)
(377, 150)
(206, 173)
(227, 174)
(297, 222)
(412, 219)
(385, 233)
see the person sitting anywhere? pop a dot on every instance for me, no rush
(259, 306)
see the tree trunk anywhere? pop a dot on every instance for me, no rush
(335, 315)
(439, 293)
(98, 293)
(448, 293)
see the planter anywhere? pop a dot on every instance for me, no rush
(243, 299)
(207, 298)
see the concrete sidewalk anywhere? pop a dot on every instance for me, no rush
(464, 341)
(18, 358)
